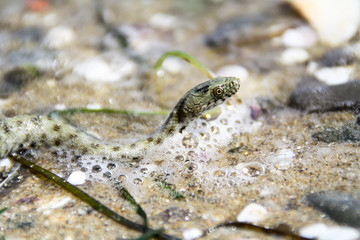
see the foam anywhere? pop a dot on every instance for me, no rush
(194, 154)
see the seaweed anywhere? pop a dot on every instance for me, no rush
(3, 210)
(89, 200)
(133, 202)
(175, 194)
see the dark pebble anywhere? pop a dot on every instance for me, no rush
(338, 57)
(15, 79)
(252, 28)
(313, 95)
(343, 208)
(344, 134)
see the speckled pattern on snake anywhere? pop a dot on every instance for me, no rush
(28, 131)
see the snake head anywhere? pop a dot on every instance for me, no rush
(204, 97)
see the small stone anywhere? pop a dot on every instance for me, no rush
(163, 21)
(252, 213)
(233, 71)
(192, 233)
(313, 230)
(302, 37)
(57, 202)
(77, 178)
(339, 233)
(334, 75)
(6, 164)
(96, 69)
(294, 55)
(59, 37)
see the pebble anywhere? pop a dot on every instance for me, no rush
(192, 233)
(6, 164)
(313, 230)
(341, 56)
(322, 232)
(335, 21)
(233, 71)
(293, 56)
(163, 21)
(173, 66)
(334, 75)
(301, 37)
(57, 202)
(59, 37)
(343, 208)
(313, 95)
(98, 70)
(77, 178)
(252, 213)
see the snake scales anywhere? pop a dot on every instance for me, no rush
(20, 133)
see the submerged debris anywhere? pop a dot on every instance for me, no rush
(313, 95)
(343, 208)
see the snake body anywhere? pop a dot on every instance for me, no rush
(20, 133)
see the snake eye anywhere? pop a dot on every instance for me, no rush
(218, 91)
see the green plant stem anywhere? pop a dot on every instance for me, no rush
(87, 198)
(190, 59)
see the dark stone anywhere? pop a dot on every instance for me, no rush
(343, 208)
(313, 95)
(338, 57)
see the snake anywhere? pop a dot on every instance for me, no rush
(25, 132)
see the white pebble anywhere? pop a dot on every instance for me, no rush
(192, 233)
(173, 66)
(335, 21)
(334, 75)
(302, 37)
(59, 37)
(163, 21)
(339, 233)
(6, 164)
(57, 202)
(313, 230)
(77, 178)
(294, 55)
(322, 232)
(233, 71)
(98, 70)
(252, 213)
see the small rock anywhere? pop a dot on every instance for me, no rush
(339, 233)
(313, 230)
(323, 232)
(6, 164)
(163, 21)
(17, 78)
(335, 21)
(294, 55)
(96, 70)
(338, 57)
(302, 37)
(77, 178)
(343, 208)
(57, 202)
(252, 213)
(234, 71)
(59, 37)
(334, 75)
(192, 233)
(313, 95)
